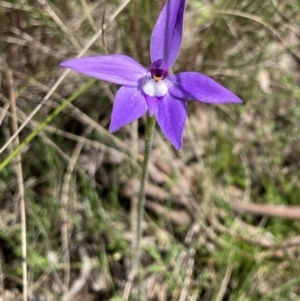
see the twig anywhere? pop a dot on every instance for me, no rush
(64, 203)
(228, 273)
(189, 274)
(32, 41)
(48, 7)
(84, 275)
(102, 25)
(289, 212)
(1, 281)
(88, 15)
(19, 171)
(4, 111)
(224, 283)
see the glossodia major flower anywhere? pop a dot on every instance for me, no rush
(154, 89)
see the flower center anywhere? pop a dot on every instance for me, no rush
(156, 86)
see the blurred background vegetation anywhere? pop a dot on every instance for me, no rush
(222, 221)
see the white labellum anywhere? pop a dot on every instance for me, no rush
(154, 88)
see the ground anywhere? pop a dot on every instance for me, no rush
(222, 215)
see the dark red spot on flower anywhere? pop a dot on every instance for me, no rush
(158, 70)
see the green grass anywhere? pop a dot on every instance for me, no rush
(230, 153)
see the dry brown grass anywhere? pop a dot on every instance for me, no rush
(203, 239)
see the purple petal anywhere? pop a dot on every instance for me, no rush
(167, 33)
(116, 68)
(197, 86)
(171, 115)
(129, 105)
(153, 103)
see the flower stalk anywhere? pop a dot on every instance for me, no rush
(150, 125)
(154, 91)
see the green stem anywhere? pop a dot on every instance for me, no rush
(150, 125)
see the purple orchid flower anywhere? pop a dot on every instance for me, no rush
(163, 95)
